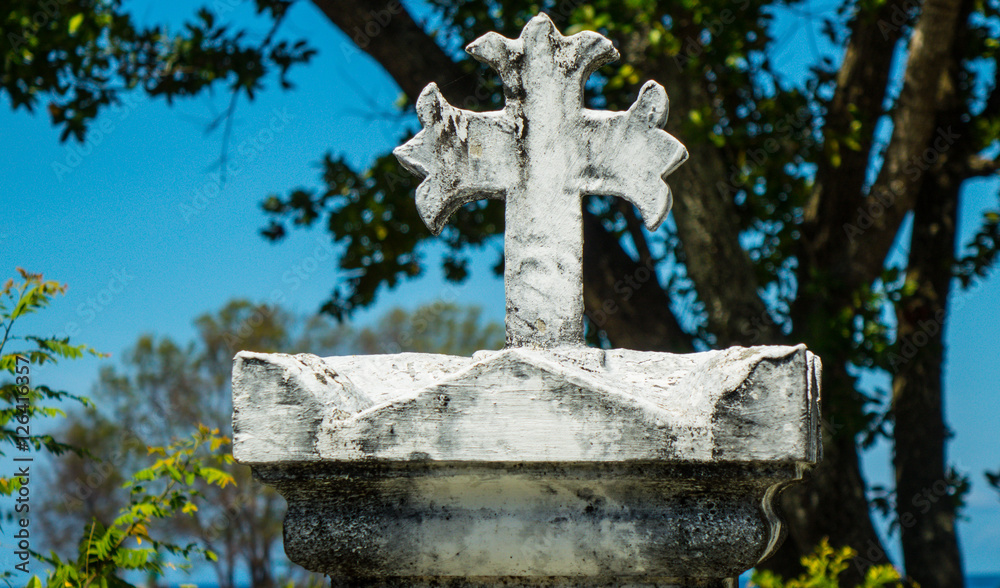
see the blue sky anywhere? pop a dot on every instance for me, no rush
(137, 226)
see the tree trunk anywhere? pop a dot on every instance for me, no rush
(924, 506)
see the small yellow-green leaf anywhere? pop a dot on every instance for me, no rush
(74, 23)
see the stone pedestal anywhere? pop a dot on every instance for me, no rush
(568, 466)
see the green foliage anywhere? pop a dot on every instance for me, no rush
(823, 567)
(83, 54)
(170, 487)
(23, 399)
(981, 251)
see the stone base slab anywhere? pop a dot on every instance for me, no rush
(533, 521)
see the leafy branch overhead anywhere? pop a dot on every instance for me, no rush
(83, 55)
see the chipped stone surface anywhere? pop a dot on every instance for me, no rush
(543, 464)
(573, 404)
(540, 154)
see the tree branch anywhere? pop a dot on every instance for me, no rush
(400, 46)
(622, 295)
(928, 89)
(861, 87)
(635, 232)
(977, 165)
(707, 221)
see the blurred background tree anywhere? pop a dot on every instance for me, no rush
(104, 552)
(819, 209)
(162, 389)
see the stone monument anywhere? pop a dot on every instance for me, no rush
(547, 463)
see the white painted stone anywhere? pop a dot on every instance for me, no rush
(573, 404)
(562, 466)
(540, 154)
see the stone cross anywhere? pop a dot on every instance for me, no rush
(539, 155)
(547, 463)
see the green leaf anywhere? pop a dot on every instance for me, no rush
(74, 23)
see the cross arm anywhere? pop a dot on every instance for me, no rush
(630, 154)
(462, 155)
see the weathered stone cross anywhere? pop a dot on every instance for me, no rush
(541, 154)
(547, 463)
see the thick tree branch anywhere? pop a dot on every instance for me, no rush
(400, 46)
(928, 88)
(860, 92)
(706, 217)
(929, 540)
(976, 165)
(635, 231)
(624, 297)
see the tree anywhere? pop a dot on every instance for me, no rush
(786, 212)
(163, 490)
(26, 401)
(163, 387)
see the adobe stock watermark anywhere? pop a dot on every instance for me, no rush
(883, 199)
(757, 325)
(300, 272)
(88, 310)
(692, 47)
(922, 501)
(229, 513)
(75, 153)
(224, 7)
(625, 288)
(420, 320)
(785, 127)
(98, 472)
(245, 154)
(902, 14)
(913, 342)
(47, 10)
(378, 20)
